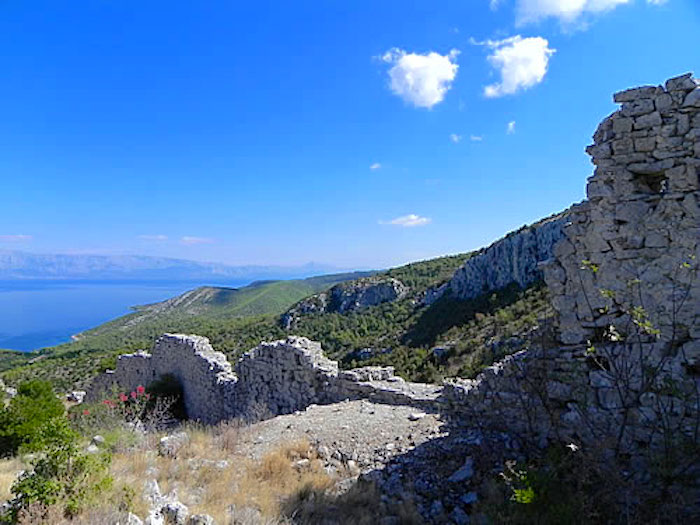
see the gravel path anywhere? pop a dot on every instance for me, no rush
(368, 434)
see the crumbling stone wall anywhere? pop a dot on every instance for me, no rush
(274, 378)
(209, 384)
(285, 376)
(624, 283)
(640, 228)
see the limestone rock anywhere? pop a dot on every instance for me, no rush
(175, 513)
(464, 473)
(348, 297)
(76, 396)
(171, 445)
(200, 519)
(513, 259)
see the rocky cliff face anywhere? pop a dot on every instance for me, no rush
(513, 259)
(347, 297)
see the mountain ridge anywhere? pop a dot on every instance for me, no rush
(19, 265)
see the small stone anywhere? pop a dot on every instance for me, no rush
(469, 498)
(76, 396)
(415, 416)
(133, 519)
(693, 98)
(175, 513)
(92, 449)
(151, 492)
(464, 473)
(460, 517)
(682, 82)
(170, 445)
(630, 95)
(663, 102)
(98, 440)
(648, 121)
(200, 519)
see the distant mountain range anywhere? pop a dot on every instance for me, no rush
(16, 265)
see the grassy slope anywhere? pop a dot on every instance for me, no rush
(476, 332)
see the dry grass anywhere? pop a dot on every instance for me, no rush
(288, 483)
(259, 488)
(8, 473)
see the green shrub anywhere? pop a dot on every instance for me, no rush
(34, 405)
(62, 474)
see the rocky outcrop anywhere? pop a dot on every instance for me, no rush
(514, 259)
(274, 378)
(348, 297)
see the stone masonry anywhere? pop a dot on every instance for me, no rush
(640, 226)
(624, 283)
(274, 378)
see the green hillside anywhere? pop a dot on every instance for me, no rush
(12, 359)
(468, 334)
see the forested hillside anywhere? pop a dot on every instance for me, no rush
(448, 337)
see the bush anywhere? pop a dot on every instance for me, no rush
(62, 475)
(34, 405)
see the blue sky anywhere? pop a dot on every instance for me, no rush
(361, 134)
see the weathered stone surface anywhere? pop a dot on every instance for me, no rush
(171, 445)
(274, 378)
(693, 98)
(513, 259)
(348, 297)
(682, 82)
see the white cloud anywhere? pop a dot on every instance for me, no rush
(375, 166)
(455, 138)
(567, 11)
(196, 240)
(657, 2)
(153, 238)
(421, 79)
(476, 138)
(408, 221)
(494, 4)
(521, 62)
(510, 128)
(18, 237)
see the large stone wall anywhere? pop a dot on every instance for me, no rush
(624, 283)
(640, 228)
(209, 384)
(274, 378)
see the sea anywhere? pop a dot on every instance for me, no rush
(39, 314)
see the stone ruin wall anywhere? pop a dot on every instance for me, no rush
(641, 221)
(639, 230)
(209, 384)
(274, 378)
